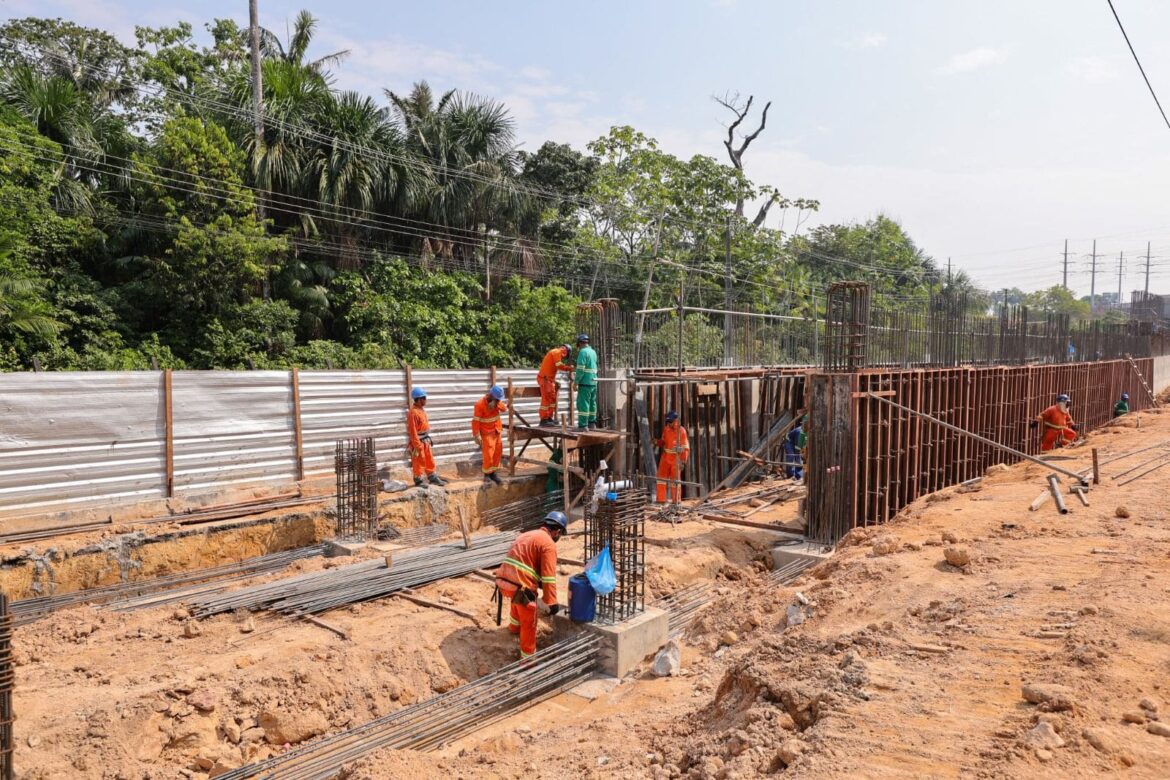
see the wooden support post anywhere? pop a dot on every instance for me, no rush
(1096, 469)
(298, 437)
(169, 411)
(571, 410)
(491, 376)
(511, 432)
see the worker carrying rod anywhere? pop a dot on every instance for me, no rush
(418, 436)
(586, 381)
(530, 566)
(486, 428)
(1059, 429)
(675, 451)
(556, 359)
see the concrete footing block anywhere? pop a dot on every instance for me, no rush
(788, 553)
(623, 645)
(338, 548)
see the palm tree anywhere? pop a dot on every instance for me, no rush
(20, 306)
(299, 38)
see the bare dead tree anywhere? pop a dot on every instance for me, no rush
(736, 145)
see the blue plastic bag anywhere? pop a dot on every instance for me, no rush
(600, 572)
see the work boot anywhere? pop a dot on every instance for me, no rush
(494, 477)
(435, 479)
(487, 479)
(418, 482)
(549, 423)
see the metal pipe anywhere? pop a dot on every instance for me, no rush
(1054, 487)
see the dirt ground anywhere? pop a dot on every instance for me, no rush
(1045, 654)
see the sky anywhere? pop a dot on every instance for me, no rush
(992, 130)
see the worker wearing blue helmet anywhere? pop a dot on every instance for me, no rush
(1121, 407)
(487, 428)
(418, 440)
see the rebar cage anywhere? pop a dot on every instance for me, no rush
(356, 464)
(619, 523)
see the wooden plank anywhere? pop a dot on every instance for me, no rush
(740, 472)
(649, 467)
(169, 411)
(316, 621)
(298, 435)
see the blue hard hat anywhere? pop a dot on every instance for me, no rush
(556, 520)
(583, 337)
(671, 416)
(417, 393)
(1062, 397)
(1125, 396)
(497, 392)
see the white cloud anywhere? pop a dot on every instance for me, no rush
(973, 60)
(1093, 70)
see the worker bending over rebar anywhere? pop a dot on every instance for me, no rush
(1059, 428)
(530, 566)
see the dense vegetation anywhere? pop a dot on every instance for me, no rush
(142, 223)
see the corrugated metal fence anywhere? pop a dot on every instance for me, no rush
(73, 439)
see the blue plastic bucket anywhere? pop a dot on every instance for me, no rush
(582, 599)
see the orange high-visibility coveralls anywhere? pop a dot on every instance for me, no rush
(1057, 428)
(554, 361)
(418, 434)
(530, 565)
(485, 423)
(675, 451)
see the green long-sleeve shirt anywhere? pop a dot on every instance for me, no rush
(1120, 408)
(586, 373)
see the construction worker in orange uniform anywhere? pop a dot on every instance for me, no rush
(530, 566)
(418, 436)
(1059, 430)
(675, 451)
(486, 428)
(554, 361)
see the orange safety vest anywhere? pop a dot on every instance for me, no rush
(674, 443)
(554, 361)
(485, 420)
(531, 563)
(1055, 417)
(417, 424)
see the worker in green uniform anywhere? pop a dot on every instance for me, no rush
(1122, 406)
(553, 482)
(586, 379)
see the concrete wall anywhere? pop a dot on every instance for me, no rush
(1161, 373)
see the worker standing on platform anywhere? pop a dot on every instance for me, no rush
(530, 565)
(675, 451)
(486, 428)
(418, 436)
(1059, 429)
(556, 359)
(586, 380)
(1121, 407)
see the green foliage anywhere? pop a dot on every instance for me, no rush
(1057, 300)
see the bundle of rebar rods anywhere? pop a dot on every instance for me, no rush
(319, 592)
(442, 719)
(355, 462)
(619, 522)
(413, 537)
(523, 514)
(146, 593)
(7, 683)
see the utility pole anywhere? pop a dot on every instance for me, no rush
(1093, 282)
(1147, 270)
(948, 273)
(1120, 272)
(1064, 283)
(727, 318)
(258, 111)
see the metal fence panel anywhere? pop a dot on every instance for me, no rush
(345, 404)
(70, 439)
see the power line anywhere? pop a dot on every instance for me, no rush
(1149, 86)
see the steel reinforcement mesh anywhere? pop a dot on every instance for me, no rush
(355, 462)
(619, 523)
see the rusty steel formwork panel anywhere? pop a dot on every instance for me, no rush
(831, 506)
(897, 456)
(722, 414)
(7, 683)
(847, 325)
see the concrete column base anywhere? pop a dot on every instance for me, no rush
(786, 554)
(623, 645)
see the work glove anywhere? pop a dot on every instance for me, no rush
(415, 453)
(478, 440)
(1034, 425)
(1075, 427)
(554, 609)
